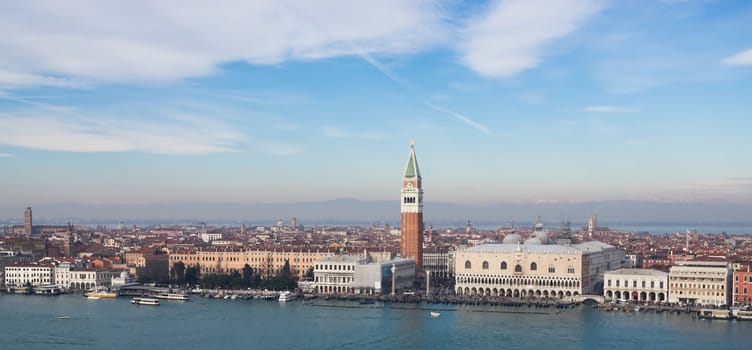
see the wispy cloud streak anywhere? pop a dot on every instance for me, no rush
(609, 109)
(459, 117)
(741, 58)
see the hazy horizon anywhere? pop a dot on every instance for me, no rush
(358, 211)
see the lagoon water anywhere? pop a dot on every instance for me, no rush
(30, 322)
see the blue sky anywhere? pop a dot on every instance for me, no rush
(275, 101)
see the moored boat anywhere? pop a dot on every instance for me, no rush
(744, 315)
(144, 301)
(19, 290)
(435, 314)
(286, 296)
(713, 314)
(173, 296)
(101, 295)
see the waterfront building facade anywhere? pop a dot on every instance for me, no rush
(411, 212)
(513, 269)
(35, 274)
(636, 284)
(334, 274)
(440, 263)
(700, 283)
(227, 259)
(743, 287)
(347, 274)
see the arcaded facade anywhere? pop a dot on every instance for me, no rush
(534, 270)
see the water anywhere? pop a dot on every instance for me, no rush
(30, 322)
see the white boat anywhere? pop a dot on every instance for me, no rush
(435, 314)
(145, 301)
(173, 296)
(93, 297)
(286, 296)
(745, 315)
(19, 290)
(63, 317)
(47, 290)
(713, 314)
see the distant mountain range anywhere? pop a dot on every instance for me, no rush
(358, 211)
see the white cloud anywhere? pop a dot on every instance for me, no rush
(332, 131)
(741, 58)
(67, 44)
(3, 155)
(511, 37)
(178, 134)
(609, 109)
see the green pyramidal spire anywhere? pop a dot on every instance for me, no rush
(412, 170)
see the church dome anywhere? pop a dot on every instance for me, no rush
(542, 236)
(533, 240)
(512, 238)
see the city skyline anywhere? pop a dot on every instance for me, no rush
(555, 102)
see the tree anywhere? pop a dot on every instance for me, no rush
(178, 272)
(247, 275)
(309, 274)
(192, 275)
(286, 273)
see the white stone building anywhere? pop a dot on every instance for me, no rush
(342, 274)
(636, 284)
(333, 274)
(700, 283)
(533, 269)
(36, 274)
(83, 279)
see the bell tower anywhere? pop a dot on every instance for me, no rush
(411, 223)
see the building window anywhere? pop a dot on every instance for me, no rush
(468, 264)
(570, 269)
(533, 266)
(661, 285)
(485, 265)
(609, 283)
(518, 268)
(503, 265)
(551, 269)
(617, 283)
(652, 284)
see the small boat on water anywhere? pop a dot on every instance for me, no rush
(101, 295)
(286, 296)
(744, 315)
(435, 314)
(145, 301)
(47, 290)
(63, 317)
(173, 296)
(19, 290)
(713, 314)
